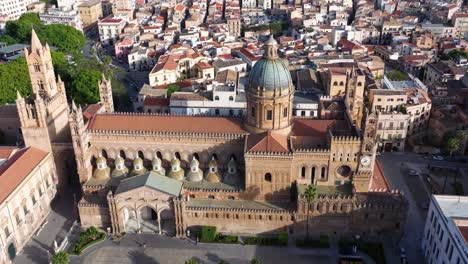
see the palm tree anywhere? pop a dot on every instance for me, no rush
(310, 194)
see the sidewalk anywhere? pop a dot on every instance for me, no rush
(41, 245)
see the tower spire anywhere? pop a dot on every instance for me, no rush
(35, 42)
(271, 47)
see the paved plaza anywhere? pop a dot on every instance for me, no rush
(162, 249)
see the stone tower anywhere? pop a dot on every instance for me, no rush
(354, 99)
(44, 118)
(44, 115)
(105, 94)
(80, 143)
(269, 94)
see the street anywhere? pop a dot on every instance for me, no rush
(162, 249)
(396, 166)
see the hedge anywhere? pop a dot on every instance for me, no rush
(208, 234)
(87, 238)
(311, 243)
(264, 241)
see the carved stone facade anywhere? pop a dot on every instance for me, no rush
(169, 173)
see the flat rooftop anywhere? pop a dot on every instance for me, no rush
(453, 206)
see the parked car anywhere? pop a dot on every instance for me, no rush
(403, 256)
(437, 157)
(413, 173)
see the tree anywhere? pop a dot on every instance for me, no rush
(455, 140)
(310, 194)
(191, 261)
(54, 35)
(14, 77)
(84, 88)
(20, 29)
(395, 75)
(60, 257)
(172, 88)
(255, 261)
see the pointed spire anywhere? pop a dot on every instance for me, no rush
(18, 95)
(35, 42)
(73, 105)
(271, 47)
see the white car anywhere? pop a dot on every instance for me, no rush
(436, 157)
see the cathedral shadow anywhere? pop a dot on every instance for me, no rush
(35, 254)
(138, 257)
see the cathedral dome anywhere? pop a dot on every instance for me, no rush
(270, 72)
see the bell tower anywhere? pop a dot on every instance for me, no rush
(105, 94)
(41, 70)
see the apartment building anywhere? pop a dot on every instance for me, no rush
(445, 237)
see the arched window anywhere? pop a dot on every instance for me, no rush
(122, 154)
(285, 112)
(214, 156)
(268, 177)
(312, 173)
(195, 155)
(322, 173)
(359, 83)
(231, 98)
(37, 67)
(253, 111)
(269, 115)
(303, 172)
(341, 83)
(335, 83)
(104, 153)
(159, 155)
(140, 154)
(211, 197)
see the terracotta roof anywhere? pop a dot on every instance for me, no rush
(111, 20)
(378, 182)
(17, 168)
(6, 152)
(167, 123)
(267, 142)
(91, 110)
(204, 65)
(316, 127)
(180, 7)
(464, 232)
(149, 100)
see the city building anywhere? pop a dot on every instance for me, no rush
(110, 30)
(13, 9)
(28, 178)
(90, 12)
(445, 237)
(62, 16)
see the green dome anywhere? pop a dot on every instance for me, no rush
(101, 159)
(270, 72)
(138, 161)
(101, 174)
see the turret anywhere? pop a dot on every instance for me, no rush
(195, 174)
(176, 171)
(212, 175)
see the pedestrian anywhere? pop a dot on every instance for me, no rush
(197, 240)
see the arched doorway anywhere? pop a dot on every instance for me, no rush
(130, 221)
(148, 219)
(12, 251)
(167, 222)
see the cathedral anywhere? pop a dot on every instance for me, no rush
(167, 174)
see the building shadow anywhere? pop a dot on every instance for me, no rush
(138, 257)
(35, 254)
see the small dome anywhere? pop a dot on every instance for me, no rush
(101, 174)
(213, 177)
(195, 176)
(156, 161)
(175, 162)
(119, 160)
(194, 163)
(177, 175)
(137, 161)
(101, 159)
(213, 163)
